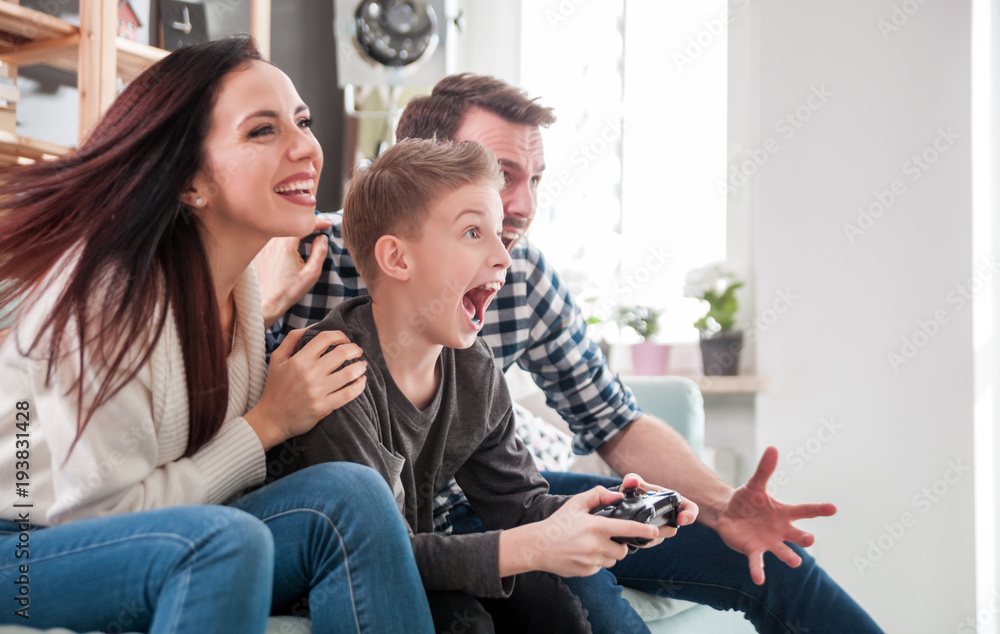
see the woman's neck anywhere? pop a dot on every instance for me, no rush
(227, 260)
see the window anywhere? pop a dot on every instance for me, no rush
(632, 197)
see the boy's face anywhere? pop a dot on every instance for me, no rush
(459, 263)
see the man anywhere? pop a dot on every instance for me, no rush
(534, 323)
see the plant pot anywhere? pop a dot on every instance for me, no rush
(650, 359)
(720, 353)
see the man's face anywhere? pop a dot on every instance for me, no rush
(519, 150)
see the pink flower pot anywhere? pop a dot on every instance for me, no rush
(650, 359)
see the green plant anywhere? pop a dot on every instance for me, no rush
(644, 320)
(715, 284)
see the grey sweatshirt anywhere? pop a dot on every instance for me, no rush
(467, 432)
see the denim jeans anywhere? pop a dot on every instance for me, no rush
(600, 594)
(329, 533)
(696, 565)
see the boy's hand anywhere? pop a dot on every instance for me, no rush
(571, 542)
(686, 515)
(304, 387)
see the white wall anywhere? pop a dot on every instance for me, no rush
(878, 436)
(986, 232)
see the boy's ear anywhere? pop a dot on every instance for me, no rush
(391, 257)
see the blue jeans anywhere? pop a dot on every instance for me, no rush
(696, 565)
(600, 594)
(224, 569)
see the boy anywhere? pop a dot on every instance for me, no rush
(424, 224)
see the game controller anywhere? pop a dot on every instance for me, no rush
(658, 508)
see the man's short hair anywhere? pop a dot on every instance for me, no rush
(439, 114)
(394, 194)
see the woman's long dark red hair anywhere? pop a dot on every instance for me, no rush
(118, 199)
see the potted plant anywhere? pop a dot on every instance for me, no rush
(648, 358)
(721, 342)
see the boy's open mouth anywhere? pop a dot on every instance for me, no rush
(477, 299)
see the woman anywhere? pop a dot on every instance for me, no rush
(132, 387)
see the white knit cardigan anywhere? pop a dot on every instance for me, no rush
(129, 457)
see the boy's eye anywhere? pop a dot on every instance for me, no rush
(472, 233)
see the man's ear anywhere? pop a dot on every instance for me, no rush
(391, 257)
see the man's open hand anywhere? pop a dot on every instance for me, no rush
(753, 522)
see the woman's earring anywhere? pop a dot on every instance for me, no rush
(199, 201)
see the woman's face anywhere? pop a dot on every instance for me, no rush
(262, 162)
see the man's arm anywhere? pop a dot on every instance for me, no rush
(747, 519)
(653, 449)
(576, 379)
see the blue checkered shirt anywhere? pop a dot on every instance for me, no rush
(532, 322)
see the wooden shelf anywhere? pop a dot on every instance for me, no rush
(14, 147)
(741, 384)
(29, 37)
(22, 23)
(721, 385)
(92, 51)
(133, 58)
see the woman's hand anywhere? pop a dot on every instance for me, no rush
(304, 387)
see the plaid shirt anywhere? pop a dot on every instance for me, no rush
(532, 322)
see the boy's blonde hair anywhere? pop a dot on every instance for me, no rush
(394, 194)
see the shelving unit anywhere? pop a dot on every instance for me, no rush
(736, 385)
(93, 51)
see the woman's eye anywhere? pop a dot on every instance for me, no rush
(306, 123)
(472, 233)
(261, 131)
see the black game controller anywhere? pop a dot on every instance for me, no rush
(658, 508)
